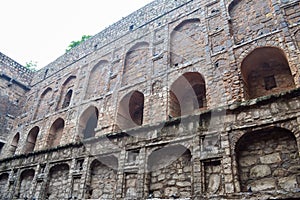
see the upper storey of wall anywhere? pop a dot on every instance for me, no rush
(14, 70)
(136, 20)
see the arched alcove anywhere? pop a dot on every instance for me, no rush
(3, 184)
(31, 139)
(187, 42)
(266, 71)
(187, 94)
(88, 122)
(164, 166)
(136, 64)
(131, 110)
(43, 104)
(97, 80)
(268, 160)
(55, 133)
(58, 181)
(103, 178)
(26, 178)
(66, 92)
(14, 144)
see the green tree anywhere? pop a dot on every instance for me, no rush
(77, 42)
(32, 65)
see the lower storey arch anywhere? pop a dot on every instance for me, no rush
(59, 184)
(268, 160)
(103, 178)
(169, 172)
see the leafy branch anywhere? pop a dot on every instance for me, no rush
(77, 42)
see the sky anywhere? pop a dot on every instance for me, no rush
(41, 30)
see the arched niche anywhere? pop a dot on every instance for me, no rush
(103, 178)
(268, 160)
(25, 183)
(43, 104)
(266, 71)
(187, 42)
(66, 92)
(136, 64)
(31, 139)
(55, 133)
(97, 80)
(131, 110)
(187, 94)
(14, 144)
(58, 182)
(170, 162)
(88, 122)
(3, 185)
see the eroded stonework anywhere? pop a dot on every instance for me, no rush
(183, 99)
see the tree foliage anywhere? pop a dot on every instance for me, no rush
(32, 65)
(77, 42)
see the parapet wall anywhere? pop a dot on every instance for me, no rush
(14, 70)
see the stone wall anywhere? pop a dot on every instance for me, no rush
(14, 83)
(175, 75)
(255, 156)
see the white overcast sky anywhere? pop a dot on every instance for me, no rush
(41, 30)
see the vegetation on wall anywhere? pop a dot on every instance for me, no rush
(32, 65)
(77, 42)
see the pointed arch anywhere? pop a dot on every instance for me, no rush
(97, 79)
(187, 94)
(266, 71)
(88, 122)
(103, 178)
(31, 139)
(14, 144)
(175, 159)
(56, 184)
(187, 42)
(136, 64)
(131, 110)
(55, 133)
(43, 104)
(266, 159)
(66, 92)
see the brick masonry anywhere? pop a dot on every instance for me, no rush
(181, 99)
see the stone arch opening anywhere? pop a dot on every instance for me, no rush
(136, 64)
(3, 184)
(268, 160)
(43, 104)
(67, 99)
(170, 172)
(97, 80)
(58, 182)
(66, 92)
(55, 133)
(187, 42)
(88, 122)
(103, 178)
(14, 144)
(187, 94)
(31, 139)
(131, 110)
(25, 184)
(266, 71)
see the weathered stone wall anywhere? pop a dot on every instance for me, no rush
(184, 158)
(173, 74)
(14, 83)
